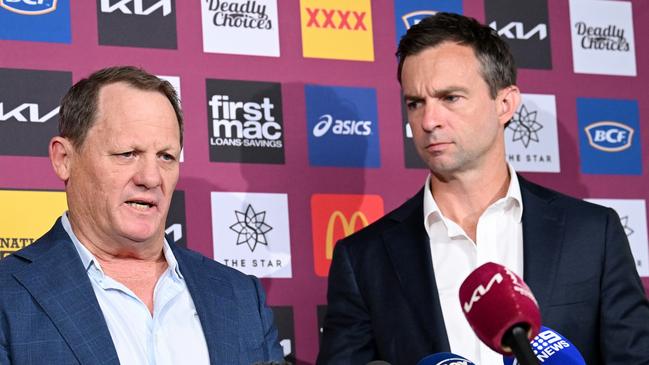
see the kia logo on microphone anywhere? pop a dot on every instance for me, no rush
(480, 291)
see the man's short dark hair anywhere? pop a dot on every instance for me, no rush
(498, 68)
(79, 106)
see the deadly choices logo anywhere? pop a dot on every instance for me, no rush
(602, 37)
(245, 121)
(609, 136)
(342, 123)
(29, 109)
(247, 27)
(35, 20)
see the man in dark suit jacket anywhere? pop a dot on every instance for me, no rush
(84, 292)
(458, 80)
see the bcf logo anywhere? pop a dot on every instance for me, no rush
(336, 216)
(609, 141)
(29, 7)
(609, 136)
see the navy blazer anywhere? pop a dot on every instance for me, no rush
(50, 315)
(383, 302)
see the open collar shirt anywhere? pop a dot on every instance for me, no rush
(499, 239)
(172, 335)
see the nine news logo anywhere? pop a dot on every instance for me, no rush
(531, 138)
(283, 318)
(602, 37)
(245, 121)
(27, 215)
(336, 216)
(29, 109)
(524, 26)
(411, 12)
(176, 223)
(35, 20)
(633, 216)
(137, 23)
(337, 29)
(609, 136)
(344, 117)
(251, 233)
(240, 27)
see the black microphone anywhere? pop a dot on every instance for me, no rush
(378, 362)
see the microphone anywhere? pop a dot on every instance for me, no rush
(444, 358)
(378, 362)
(551, 348)
(502, 311)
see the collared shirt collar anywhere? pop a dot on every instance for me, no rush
(433, 214)
(89, 260)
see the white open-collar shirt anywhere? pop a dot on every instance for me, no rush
(499, 239)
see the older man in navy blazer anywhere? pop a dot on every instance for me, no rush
(104, 286)
(393, 287)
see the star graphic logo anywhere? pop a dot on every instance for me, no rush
(251, 228)
(625, 224)
(525, 126)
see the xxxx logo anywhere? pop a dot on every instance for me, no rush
(336, 19)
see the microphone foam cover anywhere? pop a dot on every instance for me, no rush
(444, 358)
(494, 299)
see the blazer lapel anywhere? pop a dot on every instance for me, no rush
(58, 282)
(408, 247)
(213, 297)
(543, 229)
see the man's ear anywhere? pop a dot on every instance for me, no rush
(61, 153)
(507, 100)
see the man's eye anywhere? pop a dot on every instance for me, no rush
(128, 154)
(412, 105)
(168, 157)
(451, 98)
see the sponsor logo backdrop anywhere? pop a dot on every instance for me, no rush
(258, 76)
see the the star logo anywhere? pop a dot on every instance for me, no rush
(625, 224)
(251, 228)
(525, 126)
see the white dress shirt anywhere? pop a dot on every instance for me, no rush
(499, 239)
(173, 335)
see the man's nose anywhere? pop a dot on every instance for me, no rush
(148, 172)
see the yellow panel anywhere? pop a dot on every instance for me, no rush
(27, 215)
(337, 29)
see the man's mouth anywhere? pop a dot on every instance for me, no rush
(140, 204)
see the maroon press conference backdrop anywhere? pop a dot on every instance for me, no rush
(298, 176)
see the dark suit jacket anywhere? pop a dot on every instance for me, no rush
(50, 315)
(383, 302)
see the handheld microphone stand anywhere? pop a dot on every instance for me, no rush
(516, 339)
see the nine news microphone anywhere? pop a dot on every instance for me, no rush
(444, 358)
(502, 311)
(551, 348)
